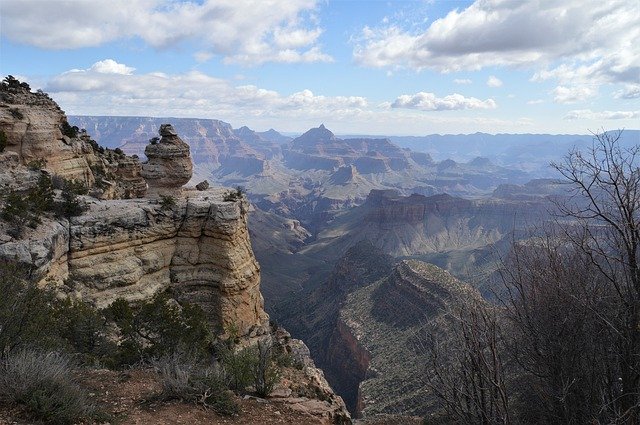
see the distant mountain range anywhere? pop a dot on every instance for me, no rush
(531, 153)
(527, 152)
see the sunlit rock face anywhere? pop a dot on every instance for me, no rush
(32, 123)
(169, 165)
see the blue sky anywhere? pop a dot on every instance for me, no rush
(366, 67)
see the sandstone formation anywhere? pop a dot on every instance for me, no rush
(196, 248)
(37, 131)
(133, 249)
(168, 165)
(203, 185)
(419, 225)
(33, 125)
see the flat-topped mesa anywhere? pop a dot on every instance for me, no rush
(169, 165)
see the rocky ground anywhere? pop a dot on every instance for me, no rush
(127, 398)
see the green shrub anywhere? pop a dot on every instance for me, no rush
(236, 195)
(83, 329)
(167, 202)
(185, 378)
(159, 327)
(24, 309)
(68, 130)
(265, 374)
(251, 367)
(71, 205)
(37, 164)
(239, 365)
(3, 141)
(43, 383)
(26, 209)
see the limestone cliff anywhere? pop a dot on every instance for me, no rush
(38, 133)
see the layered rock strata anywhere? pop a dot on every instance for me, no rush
(39, 136)
(169, 165)
(133, 249)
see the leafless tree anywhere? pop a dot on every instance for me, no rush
(605, 209)
(465, 370)
(561, 349)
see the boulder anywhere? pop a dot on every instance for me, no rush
(169, 165)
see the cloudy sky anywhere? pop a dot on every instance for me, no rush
(366, 67)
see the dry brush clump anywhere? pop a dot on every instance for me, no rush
(43, 383)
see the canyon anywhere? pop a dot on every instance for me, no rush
(190, 244)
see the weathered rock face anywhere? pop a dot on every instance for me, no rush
(32, 123)
(307, 390)
(169, 165)
(133, 249)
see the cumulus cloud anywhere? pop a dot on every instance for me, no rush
(192, 94)
(631, 91)
(429, 102)
(564, 94)
(585, 40)
(109, 66)
(462, 81)
(240, 30)
(579, 114)
(494, 81)
(535, 102)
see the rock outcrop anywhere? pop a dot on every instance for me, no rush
(133, 249)
(194, 247)
(40, 137)
(168, 165)
(33, 123)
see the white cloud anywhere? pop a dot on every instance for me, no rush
(535, 102)
(585, 40)
(243, 31)
(109, 66)
(494, 81)
(631, 91)
(462, 81)
(429, 102)
(192, 94)
(588, 114)
(564, 94)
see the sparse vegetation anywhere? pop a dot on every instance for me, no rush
(43, 383)
(167, 202)
(154, 140)
(68, 130)
(26, 209)
(565, 346)
(71, 205)
(236, 195)
(184, 377)
(3, 141)
(253, 366)
(265, 374)
(158, 327)
(12, 83)
(37, 164)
